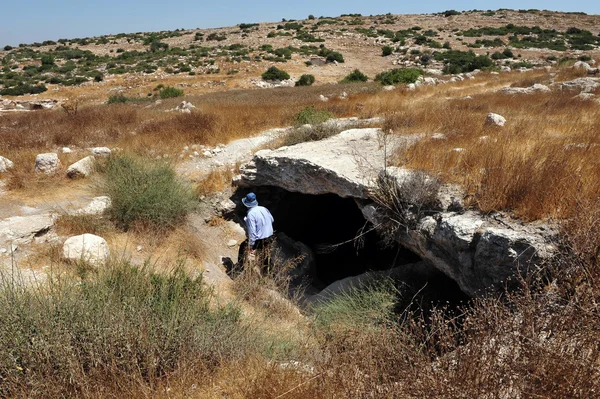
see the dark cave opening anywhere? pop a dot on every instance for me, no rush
(329, 224)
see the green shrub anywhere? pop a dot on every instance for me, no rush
(364, 307)
(121, 326)
(274, 73)
(306, 80)
(450, 13)
(386, 50)
(335, 56)
(121, 99)
(147, 193)
(399, 75)
(22, 89)
(457, 61)
(170, 92)
(355, 76)
(310, 115)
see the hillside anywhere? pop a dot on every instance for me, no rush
(435, 194)
(208, 60)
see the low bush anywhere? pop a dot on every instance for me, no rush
(274, 73)
(306, 80)
(146, 194)
(366, 307)
(302, 134)
(170, 92)
(335, 56)
(310, 115)
(399, 75)
(115, 330)
(386, 50)
(22, 89)
(355, 76)
(122, 99)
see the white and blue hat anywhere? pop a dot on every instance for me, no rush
(250, 200)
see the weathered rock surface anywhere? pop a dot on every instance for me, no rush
(97, 206)
(101, 151)
(47, 163)
(5, 164)
(495, 120)
(536, 88)
(585, 85)
(82, 168)
(89, 248)
(344, 164)
(476, 251)
(23, 229)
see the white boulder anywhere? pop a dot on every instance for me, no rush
(97, 207)
(82, 168)
(88, 248)
(47, 163)
(5, 164)
(495, 120)
(101, 151)
(582, 65)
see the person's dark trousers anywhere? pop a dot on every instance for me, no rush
(261, 252)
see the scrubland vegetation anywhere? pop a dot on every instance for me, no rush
(148, 334)
(152, 331)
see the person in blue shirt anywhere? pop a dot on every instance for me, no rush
(259, 226)
(259, 223)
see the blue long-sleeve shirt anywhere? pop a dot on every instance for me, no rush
(260, 224)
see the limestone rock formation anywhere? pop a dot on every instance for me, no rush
(5, 164)
(476, 251)
(82, 168)
(23, 229)
(345, 164)
(89, 248)
(101, 151)
(97, 206)
(495, 120)
(47, 163)
(585, 85)
(536, 88)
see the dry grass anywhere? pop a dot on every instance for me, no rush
(216, 181)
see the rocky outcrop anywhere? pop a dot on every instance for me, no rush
(82, 168)
(23, 229)
(495, 120)
(536, 88)
(47, 163)
(345, 164)
(97, 206)
(88, 248)
(476, 251)
(585, 85)
(101, 151)
(5, 164)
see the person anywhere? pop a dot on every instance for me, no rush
(259, 226)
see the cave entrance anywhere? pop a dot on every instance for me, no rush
(329, 225)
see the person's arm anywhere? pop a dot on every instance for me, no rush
(252, 234)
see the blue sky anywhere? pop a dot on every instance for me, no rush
(38, 20)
